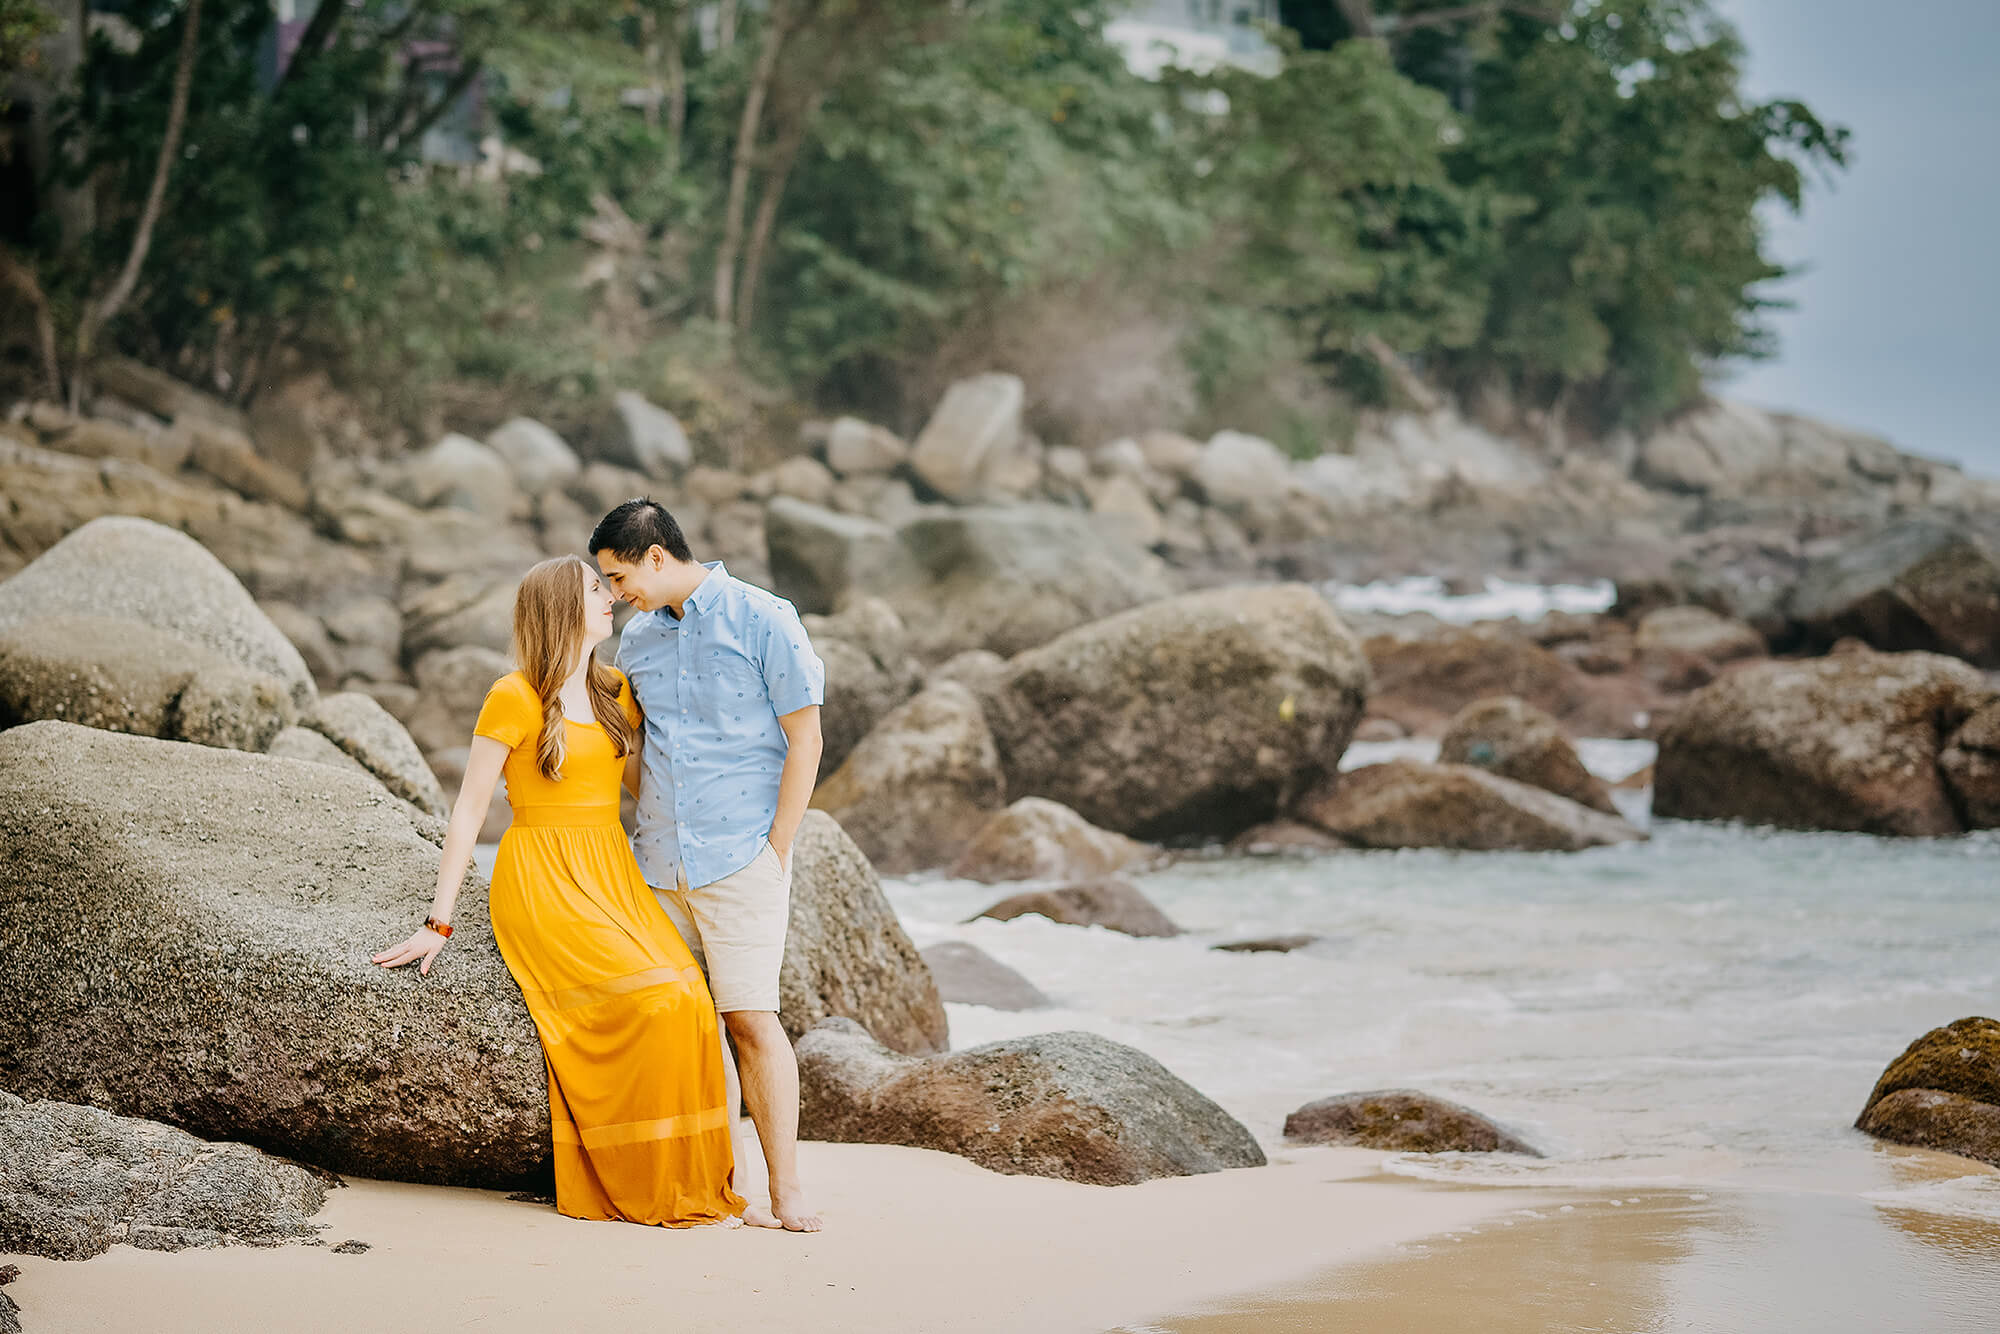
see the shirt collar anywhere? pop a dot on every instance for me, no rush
(710, 588)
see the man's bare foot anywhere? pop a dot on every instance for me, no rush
(792, 1211)
(756, 1215)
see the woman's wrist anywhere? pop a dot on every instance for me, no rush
(442, 928)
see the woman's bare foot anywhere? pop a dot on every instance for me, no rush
(792, 1211)
(756, 1215)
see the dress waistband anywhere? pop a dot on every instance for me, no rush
(559, 817)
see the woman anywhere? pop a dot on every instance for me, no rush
(628, 1030)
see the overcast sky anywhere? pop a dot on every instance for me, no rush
(1897, 320)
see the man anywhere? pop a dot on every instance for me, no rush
(732, 691)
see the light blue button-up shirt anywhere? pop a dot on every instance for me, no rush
(714, 684)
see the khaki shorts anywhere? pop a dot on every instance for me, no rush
(736, 930)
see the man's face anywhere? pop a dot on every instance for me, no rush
(636, 581)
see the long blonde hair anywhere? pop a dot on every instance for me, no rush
(548, 634)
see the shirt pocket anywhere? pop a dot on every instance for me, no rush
(731, 688)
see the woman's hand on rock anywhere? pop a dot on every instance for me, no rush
(423, 945)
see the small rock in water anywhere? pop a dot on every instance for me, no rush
(1269, 944)
(1401, 1121)
(1117, 904)
(351, 1247)
(969, 975)
(1287, 836)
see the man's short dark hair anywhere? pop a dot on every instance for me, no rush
(637, 525)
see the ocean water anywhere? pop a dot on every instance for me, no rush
(1708, 1009)
(1497, 599)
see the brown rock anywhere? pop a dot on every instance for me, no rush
(94, 439)
(1971, 767)
(1118, 905)
(1421, 683)
(1287, 836)
(1199, 715)
(1407, 804)
(845, 952)
(1850, 742)
(1942, 1093)
(1514, 739)
(1915, 585)
(372, 736)
(1268, 944)
(921, 784)
(451, 686)
(1699, 631)
(230, 458)
(1400, 1121)
(1038, 839)
(1069, 1105)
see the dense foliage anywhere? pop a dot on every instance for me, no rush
(821, 193)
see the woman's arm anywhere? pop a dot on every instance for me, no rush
(632, 771)
(468, 813)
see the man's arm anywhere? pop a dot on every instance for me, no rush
(795, 781)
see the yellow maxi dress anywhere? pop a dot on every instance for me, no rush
(636, 1103)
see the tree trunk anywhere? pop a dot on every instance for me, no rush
(789, 143)
(725, 25)
(21, 278)
(746, 150)
(96, 317)
(677, 86)
(649, 47)
(63, 54)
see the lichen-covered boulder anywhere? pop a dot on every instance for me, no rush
(1070, 1105)
(1400, 1121)
(1971, 766)
(1846, 742)
(185, 936)
(1942, 1093)
(1915, 585)
(74, 1181)
(1203, 714)
(845, 952)
(1698, 631)
(370, 733)
(1512, 738)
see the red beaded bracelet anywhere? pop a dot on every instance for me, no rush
(442, 928)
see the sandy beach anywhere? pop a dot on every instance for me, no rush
(916, 1241)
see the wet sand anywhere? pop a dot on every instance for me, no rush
(916, 1241)
(1765, 1262)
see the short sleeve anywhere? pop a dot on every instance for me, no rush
(794, 677)
(509, 713)
(627, 702)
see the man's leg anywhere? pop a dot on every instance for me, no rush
(771, 1092)
(674, 903)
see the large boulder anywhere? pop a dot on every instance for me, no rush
(968, 975)
(648, 438)
(75, 1181)
(1943, 1092)
(541, 460)
(1409, 804)
(921, 784)
(1914, 585)
(370, 734)
(458, 472)
(1244, 476)
(1039, 839)
(1514, 739)
(1112, 903)
(230, 458)
(1971, 766)
(845, 952)
(1846, 742)
(820, 559)
(125, 676)
(861, 689)
(142, 573)
(1069, 1105)
(468, 608)
(976, 424)
(1008, 578)
(1198, 715)
(1400, 1121)
(185, 936)
(858, 448)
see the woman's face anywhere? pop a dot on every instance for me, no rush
(597, 607)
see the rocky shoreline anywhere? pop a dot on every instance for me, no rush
(238, 679)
